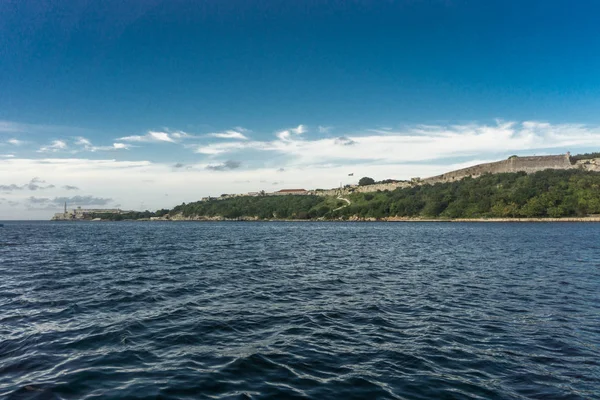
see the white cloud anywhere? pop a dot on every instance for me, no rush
(113, 147)
(325, 129)
(226, 147)
(15, 142)
(151, 136)
(81, 141)
(86, 145)
(13, 127)
(180, 135)
(55, 146)
(211, 149)
(132, 183)
(158, 137)
(288, 133)
(295, 161)
(230, 134)
(421, 143)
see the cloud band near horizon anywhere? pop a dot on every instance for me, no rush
(197, 165)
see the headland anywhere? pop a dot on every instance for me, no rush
(520, 189)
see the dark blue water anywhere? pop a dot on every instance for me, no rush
(299, 310)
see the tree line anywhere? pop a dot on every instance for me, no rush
(549, 193)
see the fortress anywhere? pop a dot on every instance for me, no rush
(529, 164)
(79, 213)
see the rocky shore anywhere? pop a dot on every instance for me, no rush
(180, 217)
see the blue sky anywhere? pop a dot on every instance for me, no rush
(397, 88)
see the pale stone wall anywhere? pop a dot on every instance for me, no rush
(513, 164)
(381, 186)
(328, 192)
(360, 189)
(593, 164)
(302, 193)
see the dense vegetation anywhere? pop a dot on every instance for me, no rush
(133, 215)
(264, 207)
(550, 193)
(585, 156)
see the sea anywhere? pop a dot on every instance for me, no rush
(299, 310)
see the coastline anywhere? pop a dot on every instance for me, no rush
(356, 219)
(387, 219)
(565, 219)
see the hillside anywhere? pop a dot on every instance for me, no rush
(548, 193)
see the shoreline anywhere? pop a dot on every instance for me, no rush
(387, 219)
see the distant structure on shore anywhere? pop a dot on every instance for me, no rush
(284, 192)
(527, 164)
(79, 213)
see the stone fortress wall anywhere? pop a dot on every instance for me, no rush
(360, 189)
(591, 164)
(528, 165)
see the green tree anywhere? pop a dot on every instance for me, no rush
(366, 181)
(550, 193)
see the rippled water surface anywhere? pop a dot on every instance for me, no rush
(299, 310)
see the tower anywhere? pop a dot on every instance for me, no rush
(65, 207)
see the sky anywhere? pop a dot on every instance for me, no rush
(147, 104)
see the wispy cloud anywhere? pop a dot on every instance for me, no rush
(37, 183)
(420, 143)
(15, 142)
(180, 135)
(10, 188)
(344, 141)
(57, 202)
(70, 187)
(157, 137)
(227, 165)
(81, 141)
(287, 133)
(12, 127)
(297, 160)
(33, 184)
(149, 137)
(86, 145)
(219, 148)
(236, 134)
(325, 129)
(54, 147)
(83, 200)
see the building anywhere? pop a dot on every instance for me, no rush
(291, 191)
(84, 213)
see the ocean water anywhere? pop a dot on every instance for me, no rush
(299, 310)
